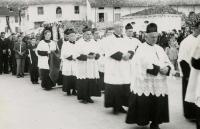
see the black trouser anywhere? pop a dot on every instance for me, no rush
(13, 64)
(5, 63)
(34, 73)
(27, 64)
(1, 64)
(46, 80)
(189, 109)
(198, 117)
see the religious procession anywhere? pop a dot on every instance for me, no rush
(125, 67)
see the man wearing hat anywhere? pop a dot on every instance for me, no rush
(134, 42)
(68, 56)
(184, 58)
(149, 98)
(87, 67)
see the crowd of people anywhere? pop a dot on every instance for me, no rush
(131, 69)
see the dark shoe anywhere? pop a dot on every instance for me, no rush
(115, 111)
(154, 126)
(47, 89)
(74, 92)
(122, 110)
(68, 93)
(84, 101)
(37, 83)
(18, 76)
(90, 100)
(33, 82)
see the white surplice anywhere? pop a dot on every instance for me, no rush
(87, 69)
(186, 48)
(143, 83)
(43, 46)
(68, 66)
(117, 72)
(193, 89)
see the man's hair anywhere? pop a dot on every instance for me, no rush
(152, 27)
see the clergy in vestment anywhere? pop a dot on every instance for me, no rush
(149, 97)
(133, 42)
(118, 54)
(68, 56)
(184, 58)
(34, 71)
(44, 48)
(87, 68)
(98, 42)
(193, 89)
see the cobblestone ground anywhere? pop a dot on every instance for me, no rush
(27, 106)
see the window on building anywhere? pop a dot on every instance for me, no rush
(37, 24)
(117, 7)
(40, 10)
(101, 7)
(17, 29)
(76, 10)
(16, 19)
(58, 12)
(117, 17)
(101, 17)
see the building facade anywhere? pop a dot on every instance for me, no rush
(10, 20)
(100, 12)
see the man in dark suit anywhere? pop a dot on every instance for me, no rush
(4, 54)
(12, 60)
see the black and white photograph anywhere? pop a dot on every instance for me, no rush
(99, 64)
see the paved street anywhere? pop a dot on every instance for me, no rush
(27, 106)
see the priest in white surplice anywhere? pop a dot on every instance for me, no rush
(87, 67)
(193, 89)
(118, 53)
(68, 56)
(184, 58)
(149, 98)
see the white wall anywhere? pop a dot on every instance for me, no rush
(50, 13)
(110, 12)
(3, 23)
(164, 22)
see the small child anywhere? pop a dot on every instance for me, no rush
(34, 71)
(172, 51)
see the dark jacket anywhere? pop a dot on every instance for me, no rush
(4, 45)
(17, 50)
(34, 58)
